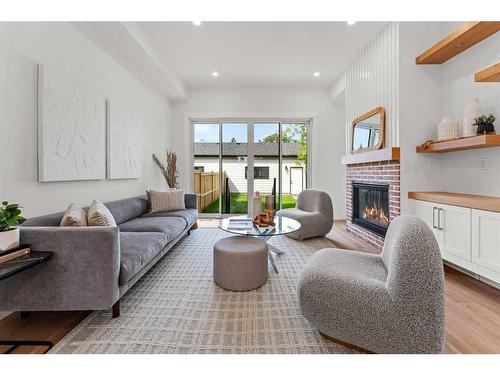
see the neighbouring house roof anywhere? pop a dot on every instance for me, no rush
(237, 149)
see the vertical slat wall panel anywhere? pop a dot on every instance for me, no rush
(372, 81)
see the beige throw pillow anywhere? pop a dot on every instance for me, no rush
(100, 216)
(75, 216)
(164, 201)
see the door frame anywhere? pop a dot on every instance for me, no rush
(250, 121)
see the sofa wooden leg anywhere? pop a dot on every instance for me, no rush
(346, 344)
(195, 225)
(116, 309)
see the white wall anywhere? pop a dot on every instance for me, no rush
(385, 74)
(371, 81)
(429, 92)
(424, 94)
(61, 46)
(461, 172)
(328, 142)
(420, 109)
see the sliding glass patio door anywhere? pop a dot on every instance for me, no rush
(234, 166)
(234, 160)
(266, 162)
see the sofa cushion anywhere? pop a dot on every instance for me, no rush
(170, 226)
(164, 201)
(100, 216)
(190, 215)
(137, 250)
(74, 216)
(125, 209)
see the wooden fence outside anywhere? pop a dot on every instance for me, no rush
(206, 187)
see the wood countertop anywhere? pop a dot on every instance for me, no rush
(480, 202)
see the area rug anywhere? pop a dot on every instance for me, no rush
(176, 308)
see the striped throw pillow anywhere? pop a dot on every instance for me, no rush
(100, 216)
(74, 216)
(164, 201)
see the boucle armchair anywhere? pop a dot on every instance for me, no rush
(388, 303)
(314, 212)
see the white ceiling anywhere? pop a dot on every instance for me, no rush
(257, 54)
(171, 57)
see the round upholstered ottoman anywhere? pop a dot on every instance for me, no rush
(240, 263)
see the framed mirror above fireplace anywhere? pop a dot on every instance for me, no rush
(368, 131)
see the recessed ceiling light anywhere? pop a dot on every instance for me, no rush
(215, 74)
(316, 74)
(197, 23)
(350, 23)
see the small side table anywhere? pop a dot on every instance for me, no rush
(11, 268)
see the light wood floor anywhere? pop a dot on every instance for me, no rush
(472, 310)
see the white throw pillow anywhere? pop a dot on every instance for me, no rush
(74, 216)
(100, 216)
(164, 201)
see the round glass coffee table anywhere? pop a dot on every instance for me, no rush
(283, 225)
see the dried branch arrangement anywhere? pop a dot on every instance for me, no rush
(169, 171)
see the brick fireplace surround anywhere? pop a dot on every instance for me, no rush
(380, 172)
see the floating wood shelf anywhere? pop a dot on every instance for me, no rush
(490, 74)
(384, 154)
(479, 202)
(469, 34)
(479, 141)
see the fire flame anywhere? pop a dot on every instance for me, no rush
(375, 213)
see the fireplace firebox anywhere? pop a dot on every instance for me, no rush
(371, 206)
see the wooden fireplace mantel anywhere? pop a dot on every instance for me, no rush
(384, 154)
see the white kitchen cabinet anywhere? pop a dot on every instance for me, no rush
(450, 225)
(467, 237)
(454, 230)
(427, 211)
(486, 239)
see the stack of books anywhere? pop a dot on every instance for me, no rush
(6, 255)
(240, 223)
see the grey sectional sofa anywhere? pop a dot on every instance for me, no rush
(93, 267)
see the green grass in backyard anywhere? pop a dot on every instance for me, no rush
(239, 204)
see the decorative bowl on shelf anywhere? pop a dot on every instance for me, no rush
(448, 129)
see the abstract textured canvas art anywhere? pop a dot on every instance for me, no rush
(71, 129)
(124, 143)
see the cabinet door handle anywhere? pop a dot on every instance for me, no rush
(434, 217)
(439, 219)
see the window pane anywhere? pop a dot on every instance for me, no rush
(206, 166)
(234, 163)
(260, 173)
(294, 162)
(266, 162)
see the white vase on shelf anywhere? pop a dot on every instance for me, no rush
(473, 109)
